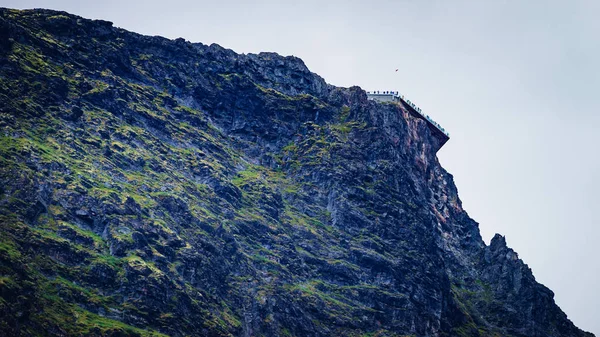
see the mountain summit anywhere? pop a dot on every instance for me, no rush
(155, 187)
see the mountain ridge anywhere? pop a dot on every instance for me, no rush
(159, 186)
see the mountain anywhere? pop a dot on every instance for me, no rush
(155, 187)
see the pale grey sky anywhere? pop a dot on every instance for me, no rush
(516, 83)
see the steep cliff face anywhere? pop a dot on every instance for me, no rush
(151, 186)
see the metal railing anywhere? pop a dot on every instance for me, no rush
(398, 96)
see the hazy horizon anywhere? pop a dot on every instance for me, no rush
(515, 84)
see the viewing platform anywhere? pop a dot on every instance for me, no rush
(396, 97)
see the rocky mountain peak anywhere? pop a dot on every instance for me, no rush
(156, 187)
(498, 242)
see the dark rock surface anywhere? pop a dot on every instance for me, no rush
(152, 186)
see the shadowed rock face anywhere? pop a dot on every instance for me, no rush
(151, 186)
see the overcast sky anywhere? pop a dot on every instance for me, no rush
(516, 83)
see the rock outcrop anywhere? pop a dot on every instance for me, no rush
(160, 187)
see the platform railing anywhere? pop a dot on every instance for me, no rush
(397, 95)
